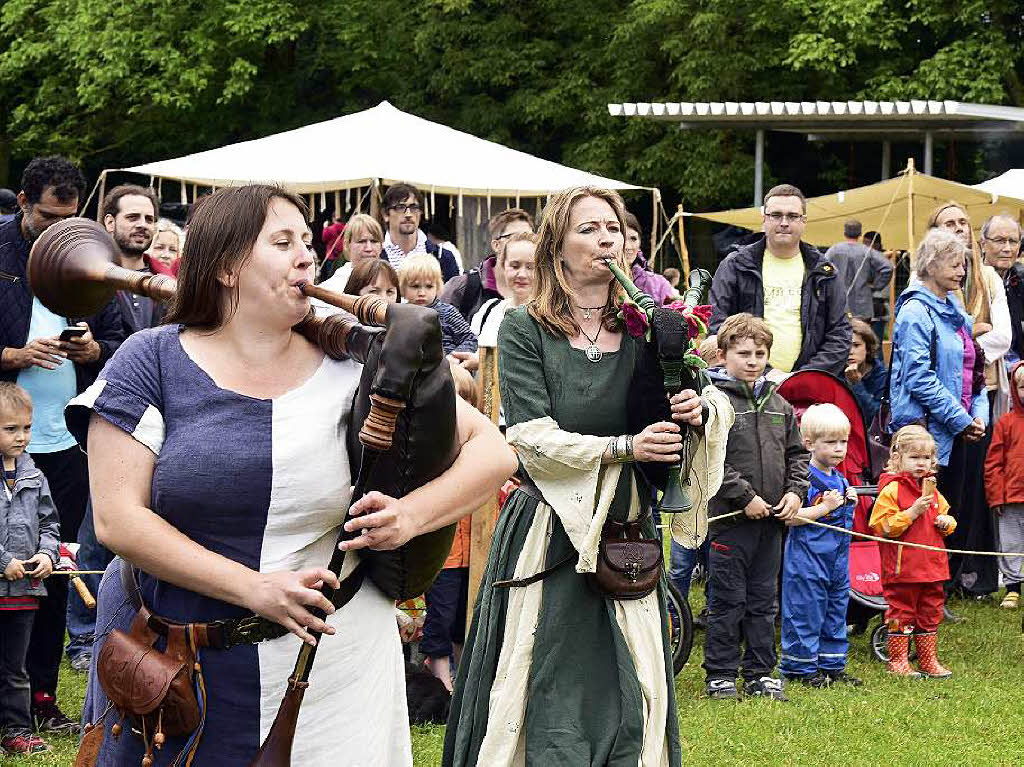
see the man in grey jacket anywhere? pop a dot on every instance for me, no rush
(863, 269)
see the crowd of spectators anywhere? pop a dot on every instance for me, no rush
(947, 365)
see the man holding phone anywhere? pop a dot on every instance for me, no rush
(53, 358)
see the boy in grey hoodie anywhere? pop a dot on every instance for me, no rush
(29, 539)
(765, 478)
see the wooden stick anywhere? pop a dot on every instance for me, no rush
(482, 522)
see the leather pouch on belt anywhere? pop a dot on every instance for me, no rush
(628, 564)
(153, 689)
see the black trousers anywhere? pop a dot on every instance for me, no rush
(744, 561)
(445, 624)
(15, 698)
(962, 483)
(67, 473)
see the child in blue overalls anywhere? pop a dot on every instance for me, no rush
(815, 571)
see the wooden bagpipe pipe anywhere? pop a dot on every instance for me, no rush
(404, 411)
(675, 347)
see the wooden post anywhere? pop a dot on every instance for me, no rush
(887, 351)
(481, 528)
(652, 256)
(374, 199)
(684, 254)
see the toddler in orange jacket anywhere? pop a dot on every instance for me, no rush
(909, 509)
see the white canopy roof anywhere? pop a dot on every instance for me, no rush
(940, 117)
(1010, 184)
(380, 144)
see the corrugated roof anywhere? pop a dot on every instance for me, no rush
(830, 115)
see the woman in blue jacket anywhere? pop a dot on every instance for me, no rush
(937, 368)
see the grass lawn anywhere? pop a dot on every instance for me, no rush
(977, 718)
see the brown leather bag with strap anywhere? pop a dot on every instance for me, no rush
(153, 689)
(628, 564)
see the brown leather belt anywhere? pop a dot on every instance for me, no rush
(229, 632)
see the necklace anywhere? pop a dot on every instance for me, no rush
(594, 353)
(587, 310)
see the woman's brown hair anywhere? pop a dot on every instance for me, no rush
(366, 272)
(222, 231)
(552, 306)
(867, 335)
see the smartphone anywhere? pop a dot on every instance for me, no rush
(73, 332)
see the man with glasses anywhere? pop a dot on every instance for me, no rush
(403, 211)
(1000, 245)
(468, 292)
(791, 285)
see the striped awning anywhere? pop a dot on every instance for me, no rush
(832, 116)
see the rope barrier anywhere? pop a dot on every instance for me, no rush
(867, 537)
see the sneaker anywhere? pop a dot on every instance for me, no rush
(49, 718)
(765, 687)
(722, 689)
(841, 677)
(700, 620)
(816, 680)
(81, 662)
(1011, 601)
(23, 742)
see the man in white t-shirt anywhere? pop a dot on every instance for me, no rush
(791, 285)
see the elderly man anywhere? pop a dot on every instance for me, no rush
(864, 269)
(797, 291)
(1000, 245)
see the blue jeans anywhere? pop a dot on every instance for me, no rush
(92, 555)
(682, 562)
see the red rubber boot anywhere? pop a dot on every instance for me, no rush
(899, 648)
(927, 656)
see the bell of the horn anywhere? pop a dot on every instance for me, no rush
(67, 265)
(676, 498)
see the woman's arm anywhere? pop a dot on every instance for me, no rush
(482, 466)
(996, 342)
(120, 480)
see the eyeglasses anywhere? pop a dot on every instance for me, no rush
(789, 218)
(403, 208)
(1002, 242)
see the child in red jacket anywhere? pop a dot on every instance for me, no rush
(909, 509)
(1004, 487)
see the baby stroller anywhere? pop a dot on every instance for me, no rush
(812, 387)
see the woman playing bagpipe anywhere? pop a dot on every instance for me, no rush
(221, 467)
(567, 660)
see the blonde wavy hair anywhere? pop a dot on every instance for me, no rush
(975, 294)
(909, 436)
(552, 306)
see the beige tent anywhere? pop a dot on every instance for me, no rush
(897, 208)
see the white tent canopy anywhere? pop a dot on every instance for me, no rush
(1010, 184)
(382, 145)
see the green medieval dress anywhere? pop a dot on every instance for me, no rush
(554, 673)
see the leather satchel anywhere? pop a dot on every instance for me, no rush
(153, 689)
(628, 564)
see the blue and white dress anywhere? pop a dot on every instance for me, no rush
(265, 483)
